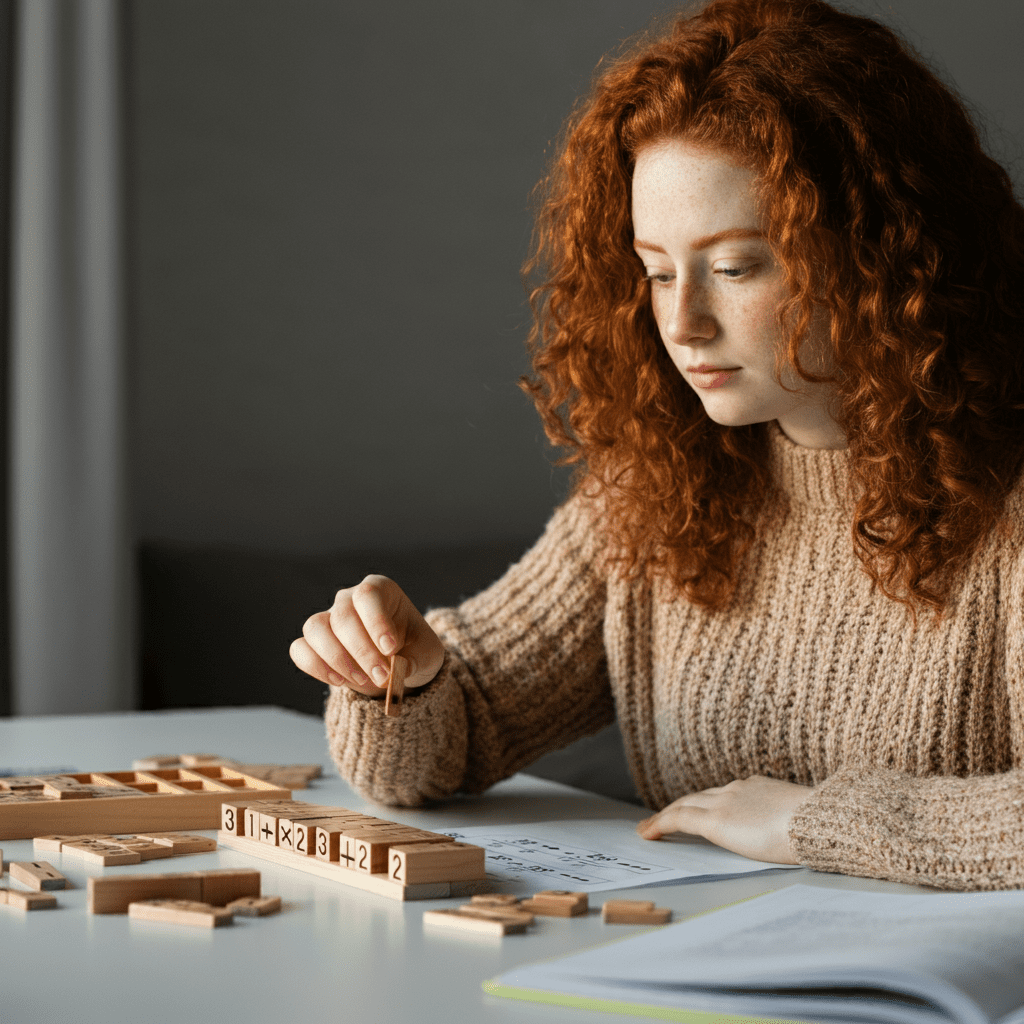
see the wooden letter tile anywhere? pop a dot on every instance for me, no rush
(66, 789)
(37, 874)
(190, 912)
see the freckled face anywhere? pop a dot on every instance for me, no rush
(716, 289)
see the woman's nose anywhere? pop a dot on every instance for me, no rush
(687, 317)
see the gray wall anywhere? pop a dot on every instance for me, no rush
(329, 209)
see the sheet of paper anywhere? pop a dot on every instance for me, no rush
(594, 856)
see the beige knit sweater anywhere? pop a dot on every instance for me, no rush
(913, 736)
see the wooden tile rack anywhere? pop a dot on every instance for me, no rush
(331, 842)
(170, 800)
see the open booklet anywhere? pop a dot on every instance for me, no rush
(805, 953)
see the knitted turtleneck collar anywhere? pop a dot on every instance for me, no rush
(817, 477)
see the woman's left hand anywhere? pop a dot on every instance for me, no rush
(748, 816)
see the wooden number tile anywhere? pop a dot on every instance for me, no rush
(190, 912)
(100, 851)
(37, 874)
(634, 912)
(112, 894)
(232, 818)
(436, 862)
(223, 885)
(466, 923)
(255, 906)
(372, 848)
(304, 831)
(558, 903)
(30, 900)
(66, 789)
(181, 842)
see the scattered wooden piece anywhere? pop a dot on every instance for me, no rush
(494, 913)
(558, 903)
(28, 900)
(225, 885)
(634, 912)
(495, 899)
(255, 906)
(181, 843)
(66, 789)
(37, 874)
(102, 851)
(189, 912)
(112, 894)
(464, 922)
(436, 862)
(396, 686)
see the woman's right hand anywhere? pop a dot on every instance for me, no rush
(351, 643)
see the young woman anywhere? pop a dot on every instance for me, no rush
(780, 329)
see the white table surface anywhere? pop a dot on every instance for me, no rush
(334, 953)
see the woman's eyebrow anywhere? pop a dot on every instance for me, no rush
(704, 241)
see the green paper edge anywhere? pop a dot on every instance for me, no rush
(534, 995)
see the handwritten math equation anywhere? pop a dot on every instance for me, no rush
(512, 857)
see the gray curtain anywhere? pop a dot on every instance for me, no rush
(70, 554)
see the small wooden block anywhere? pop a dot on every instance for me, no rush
(190, 912)
(155, 763)
(493, 913)
(66, 789)
(225, 885)
(54, 844)
(22, 784)
(396, 686)
(111, 895)
(30, 900)
(146, 848)
(634, 912)
(466, 923)
(97, 851)
(496, 899)
(436, 862)
(267, 828)
(181, 843)
(558, 903)
(197, 760)
(255, 906)
(37, 874)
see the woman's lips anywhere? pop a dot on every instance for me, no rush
(711, 378)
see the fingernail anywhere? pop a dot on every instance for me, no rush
(387, 644)
(380, 675)
(334, 679)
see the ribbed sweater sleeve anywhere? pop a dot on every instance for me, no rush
(948, 831)
(524, 673)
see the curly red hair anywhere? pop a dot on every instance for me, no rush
(884, 211)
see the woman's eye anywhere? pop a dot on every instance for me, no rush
(734, 271)
(659, 276)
